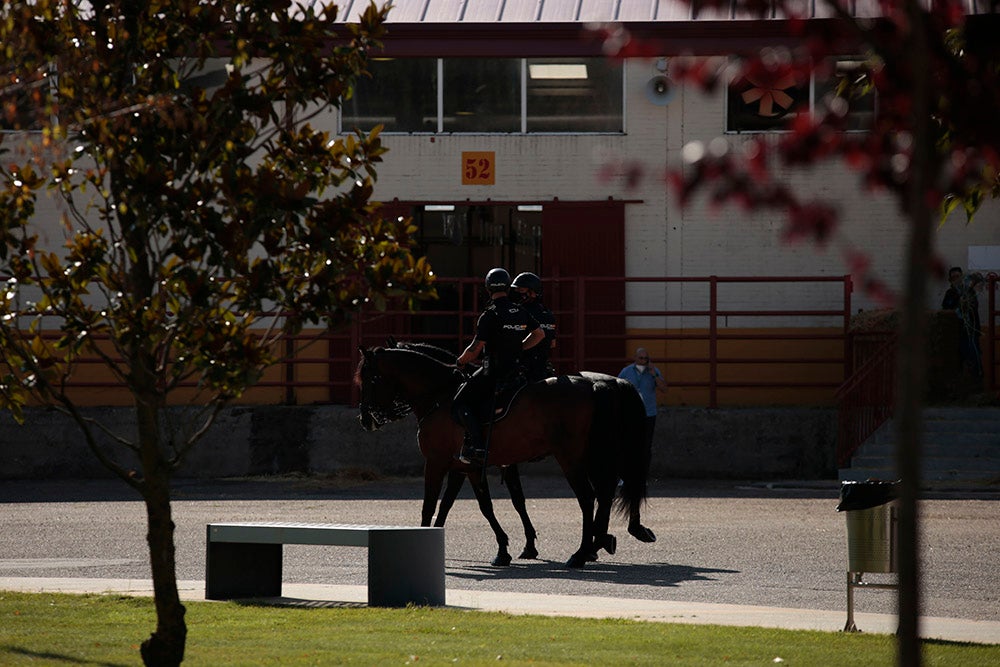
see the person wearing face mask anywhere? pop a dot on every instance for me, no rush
(527, 291)
(972, 330)
(953, 295)
(647, 379)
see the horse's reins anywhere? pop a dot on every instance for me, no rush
(382, 416)
(437, 404)
(400, 408)
(434, 408)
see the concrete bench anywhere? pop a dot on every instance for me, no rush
(405, 563)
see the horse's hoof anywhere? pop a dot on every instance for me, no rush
(529, 553)
(577, 560)
(641, 533)
(610, 543)
(502, 560)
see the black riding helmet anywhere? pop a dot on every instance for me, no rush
(529, 281)
(497, 280)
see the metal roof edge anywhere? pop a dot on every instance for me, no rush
(663, 38)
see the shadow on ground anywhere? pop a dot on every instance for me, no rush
(644, 574)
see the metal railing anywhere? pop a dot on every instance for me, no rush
(710, 345)
(866, 399)
(718, 339)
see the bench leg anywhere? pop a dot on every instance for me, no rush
(235, 570)
(405, 567)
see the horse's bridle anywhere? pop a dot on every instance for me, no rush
(379, 415)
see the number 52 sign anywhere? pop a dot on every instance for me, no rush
(478, 167)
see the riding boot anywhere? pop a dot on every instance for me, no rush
(473, 449)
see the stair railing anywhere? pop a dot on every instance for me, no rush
(865, 400)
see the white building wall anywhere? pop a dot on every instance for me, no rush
(662, 240)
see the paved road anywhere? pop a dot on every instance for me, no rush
(719, 541)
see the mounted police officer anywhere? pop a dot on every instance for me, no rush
(528, 293)
(503, 332)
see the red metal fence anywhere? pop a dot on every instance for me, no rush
(866, 400)
(711, 341)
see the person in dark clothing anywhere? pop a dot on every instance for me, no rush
(953, 295)
(968, 310)
(528, 292)
(504, 330)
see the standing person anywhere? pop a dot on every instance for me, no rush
(648, 380)
(953, 295)
(528, 290)
(504, 330)
(968, 310)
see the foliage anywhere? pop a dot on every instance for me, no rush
(962, 145)
(201, 216)
(229, 632)
(934, 145)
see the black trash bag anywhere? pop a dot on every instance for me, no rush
(865, 495)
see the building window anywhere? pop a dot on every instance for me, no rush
(482, 95)
(849, 86)
(765, 104)
(574, 95)
(401, 94)
(498, 95)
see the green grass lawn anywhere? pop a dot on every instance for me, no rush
(54, 629)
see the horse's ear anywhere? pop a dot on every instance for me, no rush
(366, 354)
(390, 341)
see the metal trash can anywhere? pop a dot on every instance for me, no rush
(871, 509)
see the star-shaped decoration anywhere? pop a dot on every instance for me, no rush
(771, 97)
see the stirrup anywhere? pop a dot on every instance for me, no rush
(473, 457)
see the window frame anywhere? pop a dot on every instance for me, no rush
(810, 105)
(523, 125)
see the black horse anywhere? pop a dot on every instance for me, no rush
(590, 423)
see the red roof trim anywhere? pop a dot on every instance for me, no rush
(525, 40)
(505, 202)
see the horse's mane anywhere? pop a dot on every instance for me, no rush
(435, 369)
(441, 354)
(421, 357)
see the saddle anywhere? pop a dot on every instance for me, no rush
(507, 391)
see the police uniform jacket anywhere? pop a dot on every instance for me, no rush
(539, 354)
(503, 326)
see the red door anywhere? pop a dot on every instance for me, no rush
(586, 240)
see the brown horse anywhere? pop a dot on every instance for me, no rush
(591, 424)
(509, 475)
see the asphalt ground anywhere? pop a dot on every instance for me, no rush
(780, 545)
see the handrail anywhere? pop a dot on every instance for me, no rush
(715, 336)
(866, 400)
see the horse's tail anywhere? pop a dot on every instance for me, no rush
(633, 457)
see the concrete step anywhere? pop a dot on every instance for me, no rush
(928, 478)
(991, 413)
(962, 425)
(959, 445)
(932, 451)
(970, 467)
(942, 432)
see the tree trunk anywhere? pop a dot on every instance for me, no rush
(913, 332)
(909, 445)
(165, 647)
